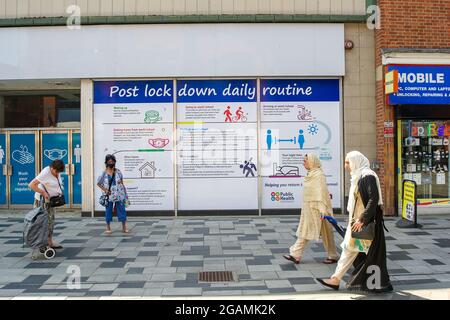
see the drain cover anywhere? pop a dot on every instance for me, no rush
(215, 276)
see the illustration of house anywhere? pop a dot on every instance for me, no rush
(148, 170)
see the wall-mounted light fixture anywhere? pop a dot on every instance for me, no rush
(348, 44)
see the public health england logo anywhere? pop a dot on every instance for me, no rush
(275, 196)
(282, 196)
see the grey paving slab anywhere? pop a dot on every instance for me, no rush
(168, 254)
(104, 287)
(129, 292)
(159, 284)
(182, 292)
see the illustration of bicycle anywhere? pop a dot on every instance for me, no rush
(241, 118)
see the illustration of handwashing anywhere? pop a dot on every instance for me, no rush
(304, 114)
(22, 156)
(55, 154)
(152, 116)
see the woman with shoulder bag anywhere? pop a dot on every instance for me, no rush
(115, 197)
(48, 185)
(364, 243)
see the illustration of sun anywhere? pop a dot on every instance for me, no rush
(313, 129)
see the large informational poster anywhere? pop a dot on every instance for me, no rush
(298, 116)
(2, 175)
(22, 148)
(217, 150)
(134, 121)
(55, 147)
(76, 161)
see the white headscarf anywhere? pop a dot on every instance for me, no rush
(314, 185)
(359, 167)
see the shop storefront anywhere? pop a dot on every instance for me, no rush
(218, 146)
(422, 110)
(38, 127)
(217, 121)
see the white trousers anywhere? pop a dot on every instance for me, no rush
(344, 263)
(297, 249)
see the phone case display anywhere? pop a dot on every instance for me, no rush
(425, 156)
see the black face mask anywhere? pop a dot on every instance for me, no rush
(111, 165)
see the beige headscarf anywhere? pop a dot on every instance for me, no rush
(315, 186)
(359, 167)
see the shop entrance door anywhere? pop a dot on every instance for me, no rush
(65, 146)
(24, 153)
(3, 171)
(22, 167)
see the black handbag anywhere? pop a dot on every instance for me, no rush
(56, 201)
(367, 231)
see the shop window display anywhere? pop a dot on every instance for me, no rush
(425, 156)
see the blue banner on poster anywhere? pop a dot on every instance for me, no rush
(216, 90)
(284, 90)
(76, 160)
(149, 91)
(55, 147)
(421, 85)
(23, 162)
(2, 163)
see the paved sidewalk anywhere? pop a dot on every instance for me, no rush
(162, 258)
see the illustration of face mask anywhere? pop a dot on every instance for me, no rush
(158, 142)
(55, 154)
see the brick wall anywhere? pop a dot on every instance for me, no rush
(408, 24)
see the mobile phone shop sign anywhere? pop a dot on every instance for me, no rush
(421, 85)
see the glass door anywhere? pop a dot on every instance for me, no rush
(3, 171)
(424, 158)
(23, 158)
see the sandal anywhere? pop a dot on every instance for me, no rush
(108, 232)
(126, 231)
(291, 258)
(329, 261)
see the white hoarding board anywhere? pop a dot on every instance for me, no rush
(217, 148)
(298, 116)
(133, 120)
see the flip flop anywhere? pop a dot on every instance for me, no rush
(108, 232)
(291, 258)
(329, 261)
(126, 231)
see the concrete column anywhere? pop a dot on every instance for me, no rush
(2, 112)
(87, 193)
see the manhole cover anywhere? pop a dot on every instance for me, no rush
(215, 276)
